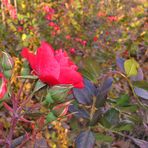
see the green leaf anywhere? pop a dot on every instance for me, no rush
(110, 118)
(129, 108)
(8, 73)
(123, 100)
(25, 71)
(51, 117)
(38, 86)
(131, 67)
(124, 126)
(48, 100)
(103, 138)
(59, 92)
(141, 84)
(7, 61)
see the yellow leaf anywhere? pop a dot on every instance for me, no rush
(24, 36)
(131, 67)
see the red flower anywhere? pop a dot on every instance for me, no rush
(47, 9)
(19, 28)
(53, 67)
(112, 18)
(84, 43)
(31, 28)
(3, 88)
(72, 50)
(56, 28)
(95, 38)
(52, 24)
(49, 17)
(68, 37)
(107, 33)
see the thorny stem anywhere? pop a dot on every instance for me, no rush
(15, 116)
(10, 135)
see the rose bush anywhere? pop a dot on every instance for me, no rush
(53, 67)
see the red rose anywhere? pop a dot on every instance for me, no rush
(53, 67)
(3, 88)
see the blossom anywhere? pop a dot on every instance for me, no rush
(95, 38)
(19, 28)
(78, 39)
(49, 12)
(112, 18)
(107, 33)
(48, 17)
(52, 24)
(47, 9)
(68, 37)
(55, 27)
(72, 50)
(3, 87)
(84, 43)
(53, 67)
(31, 28)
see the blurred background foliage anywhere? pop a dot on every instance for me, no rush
(93, 32)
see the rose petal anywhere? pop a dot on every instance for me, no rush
(47, 65)
(64, 60)
(69, 76)
(30, 57)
